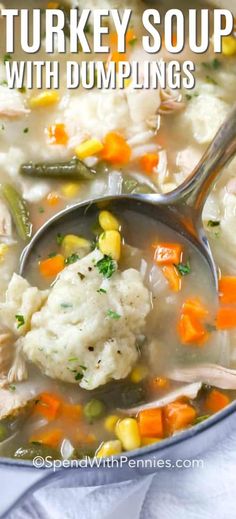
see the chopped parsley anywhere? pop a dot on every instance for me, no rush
(79, 376)
(211, 80)
(183, 268)
(133, 42)
(73, 359)
(20, 319)
(71, 259)
(7, 57)
(106, 266)
(26, 130)
(11, 387)
(101, 291)
(4, 83)
(113, 315)
(66, 305)
(201, 419)
(22, 90)
(52, 254)
(215, 64)
(41, 210)
(213, 223)
(59, 239)
(190, 96)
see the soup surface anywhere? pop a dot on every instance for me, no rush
(114, 338)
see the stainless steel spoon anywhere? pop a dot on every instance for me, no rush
(180, 210)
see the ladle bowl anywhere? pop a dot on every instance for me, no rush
(180, 210)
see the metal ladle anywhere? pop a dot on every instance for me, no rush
(180, 210)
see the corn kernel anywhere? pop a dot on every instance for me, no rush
(110, 422)
(44, 99)
(108, 222)
(149, 441)
(110, 448)
(138, 374)
(3, 251)
(70, 190)
(110, 244)
(127, 82)
(73, 244)
(88, 148)
(127, 432)
(228, 45)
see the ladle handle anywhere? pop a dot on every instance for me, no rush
(196, 187)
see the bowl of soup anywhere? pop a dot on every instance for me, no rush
(113, 342)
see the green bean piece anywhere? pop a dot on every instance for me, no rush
(29, 452)
(3, 432)
(94, 409)
(133, 187)
(73, 168)
(19, 211)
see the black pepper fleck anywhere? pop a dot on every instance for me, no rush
(91, 348)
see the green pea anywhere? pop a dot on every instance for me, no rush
(94, 409)
(3, 432)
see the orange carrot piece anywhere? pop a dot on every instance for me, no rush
(216, 401)
(50, 267)
(71, 412)
(48, 405)
(50, 438)
(179, 415)
(226, 318)
(167, 253)
(117, 57)
(227, 289)
(191, 330)
(53, 199)
(130, 38)
(148, 162)
(173, 277)
(116, 150)
(57, 134)
(194, 307)
(150, 422)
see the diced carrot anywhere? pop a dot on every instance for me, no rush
(71, 412)
(116, 150)
(53, 199)
(57, 134)
(48, 405)
(50, 438)
(83, 437)
(173, 277)
(148, 162)
(191, 330)
(194, 307)
(167, 253)
(130, 38)
(150, 422)
(117, 57)
(227, 289)
(226, 318)
(159, 383)
(179, 415)
(50, 267)
(216, 401)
